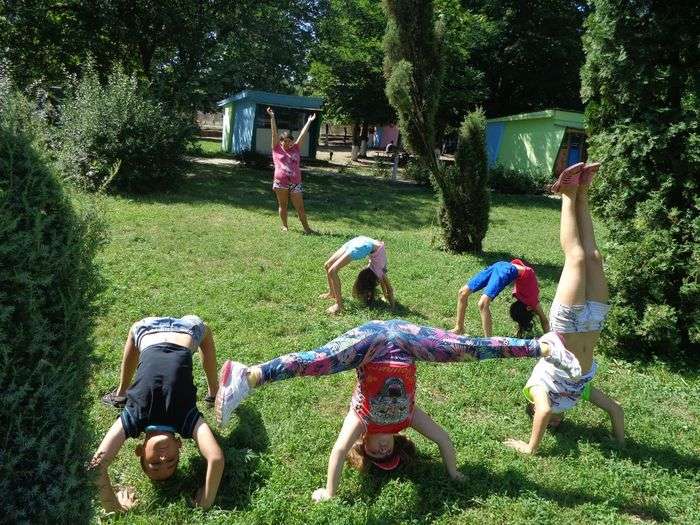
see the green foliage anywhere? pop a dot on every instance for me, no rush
(640, 83)
(463, 189)
(346, 69)
(47, 283)
(417, 172)
(413, 71)
(114, 134)
(530, 53)
(516, 182)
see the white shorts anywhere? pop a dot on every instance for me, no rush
(577, 318)
(563, 392)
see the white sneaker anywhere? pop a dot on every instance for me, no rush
(560, 357)
(233, 388)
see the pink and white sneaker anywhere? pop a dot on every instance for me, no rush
(569, 177)
(589, 171)
(233, 388)
(560, 357)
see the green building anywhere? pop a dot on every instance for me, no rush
(547, 141)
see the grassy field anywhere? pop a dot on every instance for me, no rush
(212, 246)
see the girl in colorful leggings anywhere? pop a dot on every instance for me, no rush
(577, 315)
(383, 403)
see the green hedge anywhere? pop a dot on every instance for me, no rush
(641, 85)
(515, 182)
(115, 135)
(47, 283)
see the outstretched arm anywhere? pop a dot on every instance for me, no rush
(106, 452)
(211, 451)
(387, 290)
(614, 410)
(273, 128)
(424, 424)
(543, 318)
(352, 429)
(305, 129)
(540, 420)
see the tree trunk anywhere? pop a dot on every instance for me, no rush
(355, 141)
(363, 140)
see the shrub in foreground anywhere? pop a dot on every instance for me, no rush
(47, 284)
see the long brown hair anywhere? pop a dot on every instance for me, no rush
(365, 287)
(358, 459)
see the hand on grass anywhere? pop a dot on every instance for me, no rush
(320, 495)
(199, 499)
(518, 445)
(126, 498)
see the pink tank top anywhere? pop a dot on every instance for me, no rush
(287, 164)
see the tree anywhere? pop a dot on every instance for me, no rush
(47, 288)
(413, 67)
(640, 84)
(463, 188)
(531, 53)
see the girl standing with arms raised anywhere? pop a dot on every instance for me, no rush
(286, 156)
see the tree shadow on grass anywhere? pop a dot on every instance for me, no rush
(569, 435)
(244, 470)
(436, 491)
(358, 200)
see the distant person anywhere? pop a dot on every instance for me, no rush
(286, 156)
(493, 280)
(160, 403)
(366, 283)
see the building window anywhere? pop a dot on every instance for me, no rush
(287, 118)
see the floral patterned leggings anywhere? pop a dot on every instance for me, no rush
(394, 341)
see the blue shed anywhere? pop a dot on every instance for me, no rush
(246, 125)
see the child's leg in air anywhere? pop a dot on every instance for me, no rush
(571, 289)
(432, 344)
(596, 284)
(342, 353)
(327, 265)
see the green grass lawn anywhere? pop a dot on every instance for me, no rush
(212, 246)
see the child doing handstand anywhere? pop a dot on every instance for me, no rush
(577, 315)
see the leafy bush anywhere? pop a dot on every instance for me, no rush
(464, 195)
(47, 283)
(643, 112)
(114, 134)
(515, 182)
(417, 172)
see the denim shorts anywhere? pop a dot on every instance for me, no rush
(191, 325)
(578, 318)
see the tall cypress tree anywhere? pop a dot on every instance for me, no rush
(640, 84)
(413, 66)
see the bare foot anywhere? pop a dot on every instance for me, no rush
(284, 229)
(457, 330)
(327, 295)
(518, 445)
(334, 310)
